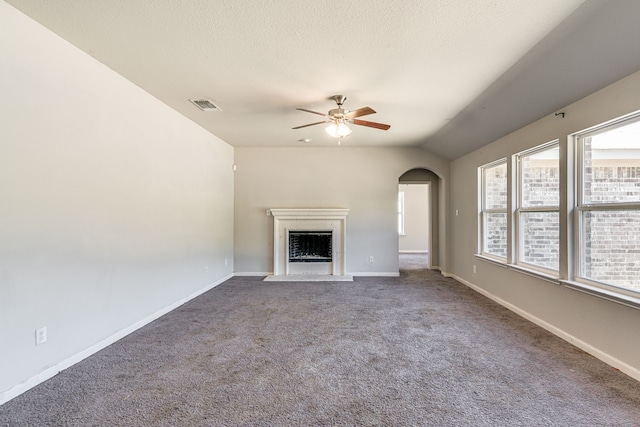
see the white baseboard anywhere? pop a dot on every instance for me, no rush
(362, 274)
(632, 371)
(375, 274)
(18, 389)
(252, 273)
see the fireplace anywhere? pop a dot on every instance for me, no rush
(309, 243)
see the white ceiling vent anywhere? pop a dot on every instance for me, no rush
(205, 105)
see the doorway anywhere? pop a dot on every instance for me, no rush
(418, 219)
(414, 225)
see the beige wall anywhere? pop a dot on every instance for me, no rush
(114, 207)
(364, 180)
(605, 329)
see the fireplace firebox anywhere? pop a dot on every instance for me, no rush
(310, 246)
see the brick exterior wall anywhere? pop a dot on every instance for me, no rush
(540, 230)
(611, 250)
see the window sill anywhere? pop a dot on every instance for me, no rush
(520, 269)
(535, 273)
(494, 261)
(617, 297)
(628, 300)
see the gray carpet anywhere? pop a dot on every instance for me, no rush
(415, 350)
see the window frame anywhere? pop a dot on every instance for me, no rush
(483, 211)
(520, 209)
(581, 207)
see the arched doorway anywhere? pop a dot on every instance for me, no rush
(418, 231)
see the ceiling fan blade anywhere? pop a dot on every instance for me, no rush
(311, 124)
(360, 112)
(370, 124)
(309, 111)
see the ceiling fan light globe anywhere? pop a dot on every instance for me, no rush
(338, 130)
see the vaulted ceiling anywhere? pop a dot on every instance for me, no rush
(447, 75)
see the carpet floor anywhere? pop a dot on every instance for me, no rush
(416, 350)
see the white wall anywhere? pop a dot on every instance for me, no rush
(416, 218)
(113, 205)
(603, 328)
(364, 180)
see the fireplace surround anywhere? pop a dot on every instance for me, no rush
(323, 229)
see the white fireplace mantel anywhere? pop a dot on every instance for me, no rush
(305, 219)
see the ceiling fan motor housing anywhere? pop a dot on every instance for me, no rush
(337, 113)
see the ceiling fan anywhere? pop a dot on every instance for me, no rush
(339, 117)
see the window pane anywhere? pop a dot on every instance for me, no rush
(495, 229)
(495, 187)
(610, 250)
(540, 174)
(540, 235)
(612, 165)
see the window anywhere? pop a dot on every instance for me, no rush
(401, 212)
(608, 205)
(493, 211)
(520, 224)
(537, 214)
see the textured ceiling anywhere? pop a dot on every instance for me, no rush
(442, 73)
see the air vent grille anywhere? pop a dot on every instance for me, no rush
(205, 105)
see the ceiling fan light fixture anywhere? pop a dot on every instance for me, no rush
(338, 129)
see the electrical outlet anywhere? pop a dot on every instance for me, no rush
(206, 269)
(474, 269)
(371, 259)
(41, 335)
(226, 261)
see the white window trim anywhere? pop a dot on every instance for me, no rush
(578, 282)
(483, 212)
